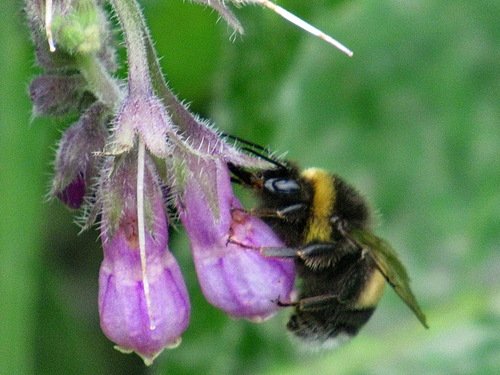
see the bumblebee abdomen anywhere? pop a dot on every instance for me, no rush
(328, 328)
(335, 302)
(372, 290)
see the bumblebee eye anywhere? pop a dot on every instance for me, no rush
(282, 186)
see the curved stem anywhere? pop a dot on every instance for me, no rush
(134, 29)
(102, 85)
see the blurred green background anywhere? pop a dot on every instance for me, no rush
(412, 120)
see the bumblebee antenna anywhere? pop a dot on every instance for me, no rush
(255, 149)
(248, 143)
(264, 157)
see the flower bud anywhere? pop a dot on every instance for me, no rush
(56, 61)
(46, 58)
(143, 307)
(79, 29)
(233, 275)
(58, 95)
(74, 26)
(75, 163)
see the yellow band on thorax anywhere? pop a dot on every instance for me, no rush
(319, 226)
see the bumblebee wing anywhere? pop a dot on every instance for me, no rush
(391, 267)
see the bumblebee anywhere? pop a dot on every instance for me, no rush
(325, 225)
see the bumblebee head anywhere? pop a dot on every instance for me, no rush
(281, 182)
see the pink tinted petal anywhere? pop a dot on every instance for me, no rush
(72, 195)
(235, 278)
(126, 317)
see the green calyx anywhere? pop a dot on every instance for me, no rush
(80, 31)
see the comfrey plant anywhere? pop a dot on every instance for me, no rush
(135, 151)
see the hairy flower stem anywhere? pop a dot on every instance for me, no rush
(148, 74)
(139, 83)
(178, 111)
(152, 62)
(133, 27)
(100, 82)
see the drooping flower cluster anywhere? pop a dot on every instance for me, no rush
(134, 150)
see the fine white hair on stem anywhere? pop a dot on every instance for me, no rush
(220, 7)
(141, 230)
(305, 26)
(48, 25)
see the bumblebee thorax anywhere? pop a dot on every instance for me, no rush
(322, 203)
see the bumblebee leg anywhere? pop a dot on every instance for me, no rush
(258, 212)
(230, 240)
(317, 250)
(279, 252)
(281, 213)
(318, 302)
(236, 210)
(331, 251)
(238, 215)
(285, 211)
(342, 226)
(286, 304)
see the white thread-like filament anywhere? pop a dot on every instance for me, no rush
(305, 26)
(48, 25)
(141, 230)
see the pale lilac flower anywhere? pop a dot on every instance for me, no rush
(233, 275)
(143, 308)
